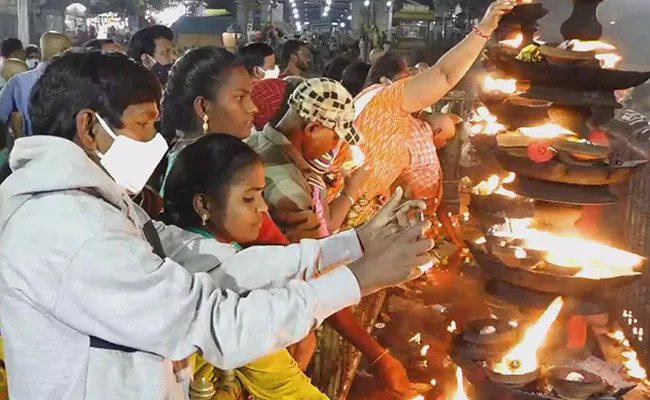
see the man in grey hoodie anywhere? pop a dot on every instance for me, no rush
(96, 300)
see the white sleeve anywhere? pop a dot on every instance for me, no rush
(258, 266)
(133, 298)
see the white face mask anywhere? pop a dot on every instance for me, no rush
(271, 73)
(130, 162)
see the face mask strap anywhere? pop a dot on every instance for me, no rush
(105, 126)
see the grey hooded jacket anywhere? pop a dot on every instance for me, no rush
(76, 270)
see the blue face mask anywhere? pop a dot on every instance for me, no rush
(161, 72)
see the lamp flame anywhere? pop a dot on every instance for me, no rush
(491, 84)
(605, 52)
(460, 390)
(492, 185)
(485, 123)
(357, 158)
(546, 131)
(522, 359)
(515, 42)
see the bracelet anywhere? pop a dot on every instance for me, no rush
(481, 34)
(350, 198)
(383, 353)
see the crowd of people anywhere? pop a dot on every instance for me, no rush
(167, 221)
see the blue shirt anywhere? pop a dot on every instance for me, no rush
(14, 96)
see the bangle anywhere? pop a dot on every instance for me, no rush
(383, 353)
(481, 34)
(350, 198)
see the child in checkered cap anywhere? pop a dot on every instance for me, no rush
(317, 122)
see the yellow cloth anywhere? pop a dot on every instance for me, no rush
(3, 373)
(274, 377)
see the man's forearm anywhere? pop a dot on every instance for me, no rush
(348, 326)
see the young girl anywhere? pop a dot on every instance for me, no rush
(215, 189)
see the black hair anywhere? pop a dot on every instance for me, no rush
(289, 48)
(9, 46)
(209, 165)
(97, 44)
(334, 69)
(354, 77)
(4, 135)
(5, 169)
(254, 54)
(200, 72)
(32, 49)
(388, 65)
(104, 82)
(144, 41)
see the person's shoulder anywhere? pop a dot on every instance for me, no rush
(70, 214)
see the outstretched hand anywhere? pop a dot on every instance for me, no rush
(494, 14)
(392, 252)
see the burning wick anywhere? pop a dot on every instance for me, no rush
(522, 359)
(575, 377)
(425, 350)
(417, 338)
(514, 365)
(520, 253)
(452, 327)
(488, 330)
(433, 382)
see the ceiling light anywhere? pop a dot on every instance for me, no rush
(389, 3)
(349, 17)
(342, 25)
(327, 8)
(324, 14)
(366, 3)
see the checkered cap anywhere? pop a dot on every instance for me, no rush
(326, 101)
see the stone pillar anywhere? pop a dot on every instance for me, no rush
(381, 15)
(23, 21)
(242, 16)
(265, 12)
(359, 16)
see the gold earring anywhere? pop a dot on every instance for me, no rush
(204, 219)
(259, 209)
(205, 123)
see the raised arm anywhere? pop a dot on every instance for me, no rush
(428, 87)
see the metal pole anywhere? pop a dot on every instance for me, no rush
(389, 31)
(23, 21)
